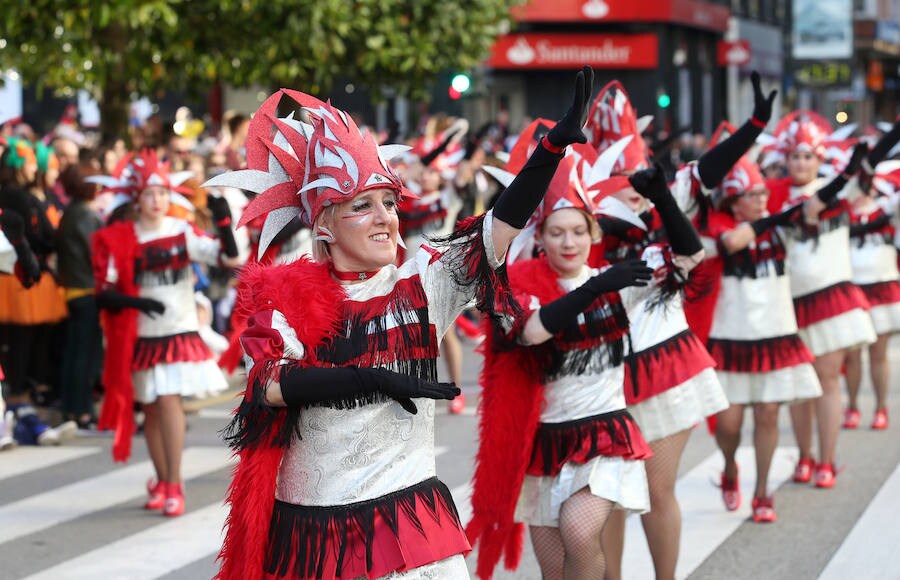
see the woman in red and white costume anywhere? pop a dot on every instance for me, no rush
(760, 359)
(145, 288)
(336, 431)
(831, 310)
(558, 450)
(673, 386)
(874, 260)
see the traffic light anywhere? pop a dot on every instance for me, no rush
(663, 100)
(453, 93)
(461, 83)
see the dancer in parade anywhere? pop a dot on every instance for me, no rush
(760, 359)
(336, 430)
(672, 385)
(874, 261)
(142, 269)
(831, 310)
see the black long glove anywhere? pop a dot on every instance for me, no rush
(564, 310)
(221, 214)
(429, 157)
(883, 147)
(115, 301)
(651, 183)
(714, 165)
(29, 271)
(779, 219)
(834, 187)
(301, 387)
(518, 201)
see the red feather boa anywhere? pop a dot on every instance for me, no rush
(119, 243)
(311, 303)
(511, 399)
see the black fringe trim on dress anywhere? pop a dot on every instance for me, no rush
(557, 443)
(761, 355)
(466, 259)
(298, 535)
(167, 277)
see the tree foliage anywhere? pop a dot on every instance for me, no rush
(117, 49)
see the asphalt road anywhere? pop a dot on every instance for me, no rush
(69, 512)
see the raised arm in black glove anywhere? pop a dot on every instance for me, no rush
(564, 310)
(518, 201)
(779, 219)
(429, 157)
(115, 301)
(834, 187)
(28, 271)
(882, 148)
(221, 214)
(651, 183)
(301, 387)
(714, 165)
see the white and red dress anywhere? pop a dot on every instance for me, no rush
(355, 489)
(170, 357)
(831, 310)
(671, 384)
(759, 356)
(874, 261)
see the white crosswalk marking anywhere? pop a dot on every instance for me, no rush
(705, 522)
(149, 554)
(41, 511)
(874, 543)
(26, 459)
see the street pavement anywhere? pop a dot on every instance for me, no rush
(69, 512)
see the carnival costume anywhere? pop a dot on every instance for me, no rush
(341, 483)
(145, 289)
(831, 310)
(671, 384)
(553, 417)
(759, 356)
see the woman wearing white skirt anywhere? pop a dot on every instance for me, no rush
(874, 260)
(145, 287)
(760, 359)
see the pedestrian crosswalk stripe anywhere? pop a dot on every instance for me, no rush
(26, 459)
(705, 523)
(149, 554)
(44, 510)
(873, 544)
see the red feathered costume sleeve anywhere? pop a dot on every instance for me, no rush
(117, 242)
(509, 413)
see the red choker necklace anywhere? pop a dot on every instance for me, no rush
(353, 276)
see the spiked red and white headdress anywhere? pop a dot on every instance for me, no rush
(803, 130)
(300, 166)
(612, 118)
(134, 173)
(567, 189)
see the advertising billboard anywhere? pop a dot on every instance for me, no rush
(823, 29)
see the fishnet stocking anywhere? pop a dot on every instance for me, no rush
(573, 550)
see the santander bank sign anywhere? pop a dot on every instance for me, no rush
(551, 51)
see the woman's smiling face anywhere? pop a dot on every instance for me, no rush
(365, 231)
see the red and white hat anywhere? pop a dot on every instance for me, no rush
(566, 190)
(298, 167)
(743, 176)
(612, 118)
(803, 130)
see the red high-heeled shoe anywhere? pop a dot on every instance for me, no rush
(174, 505)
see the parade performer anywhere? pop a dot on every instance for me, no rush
(545, 488)
(673, 386)
(760, 359)
(874, 261)
(336, 430)
(154, 354)
(831, 310)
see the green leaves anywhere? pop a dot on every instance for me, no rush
(150, 45)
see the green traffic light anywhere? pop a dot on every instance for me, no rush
(461, 83)
(663, 101)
